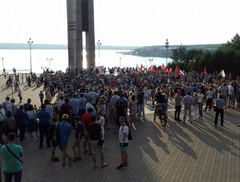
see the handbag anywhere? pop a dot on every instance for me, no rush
(14, 155)
(100, 142)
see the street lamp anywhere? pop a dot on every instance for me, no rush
(167, 46)
(150, 60)
(99, 44)
(49, 59)
(2, 63)
(120, 61)
(30, 42)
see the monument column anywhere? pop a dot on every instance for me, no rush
(90, 38)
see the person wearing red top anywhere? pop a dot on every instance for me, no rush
(86, 120)
(66, 108)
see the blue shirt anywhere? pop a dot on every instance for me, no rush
(65, 132)
(44, 117)
(75, 104)
(12, 164)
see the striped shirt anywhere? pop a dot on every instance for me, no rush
(220, 103)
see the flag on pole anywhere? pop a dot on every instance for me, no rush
(170, 70)
(181, 74)
(176, 69)
(151, 68)
(222, 73)
(166, 70)
(163, 67)
(205, 70)
(141, 68)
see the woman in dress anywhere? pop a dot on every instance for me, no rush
(31, 125)
(133, 109)
(101, 122)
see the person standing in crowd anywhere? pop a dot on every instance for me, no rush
(41, 96)
(60, 102)
(195, 105)
(101, 122)
(12, 165)
(94, 96)
(49, 108)
(12, 107)
(210, 96)
(9, 125)
(65, 130)
(51, 133)
(20, 95)
(66, 108)
(90, 105)
(231, 99)
(31, 124)
(5, 104)
(224, 93)
(26, 105)
(121, 111)
(200, 103)
(133, 109)
(140, 104)
(82, 104)
(123, 142)
(44, 124)
(220, 104)
(86, 120)
(188, 101)
(21, 119)
(178, 105)
(78, 136)
(113, 101)
(95, 133)
(74, 102)
(2, 118)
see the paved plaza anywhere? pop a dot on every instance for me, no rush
(198, 152)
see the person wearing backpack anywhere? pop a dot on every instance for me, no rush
(78, 135)
(123, 141)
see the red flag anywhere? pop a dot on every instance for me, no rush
(131, 72)
(176, 69)
(141, 68)
(151, 68)
(170, 70)
(163, 67)
(205, 70)
(166, 70)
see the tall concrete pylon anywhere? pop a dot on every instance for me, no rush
(80, 18)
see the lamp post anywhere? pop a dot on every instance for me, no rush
(3, 63)
(167, 46)
(120, 61)
(30, 42)
(49, 59)
(99, 44)
(150, 60)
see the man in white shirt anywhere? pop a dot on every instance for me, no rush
(60, 102)
(209, 95)
(94, 96)
(90, 105)
(231, 95)
(200, 103)
(188, 101)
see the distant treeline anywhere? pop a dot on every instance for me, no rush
(54, 46)
(160, 51)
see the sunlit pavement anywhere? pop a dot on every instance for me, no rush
(177, 152)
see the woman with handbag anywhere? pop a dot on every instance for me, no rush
(32, 124)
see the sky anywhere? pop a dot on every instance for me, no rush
(124, 22)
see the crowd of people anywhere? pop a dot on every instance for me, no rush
(87, 103)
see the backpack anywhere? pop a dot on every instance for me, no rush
(129, 133)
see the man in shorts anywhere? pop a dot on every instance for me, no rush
(123, 141)
(95, 133)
